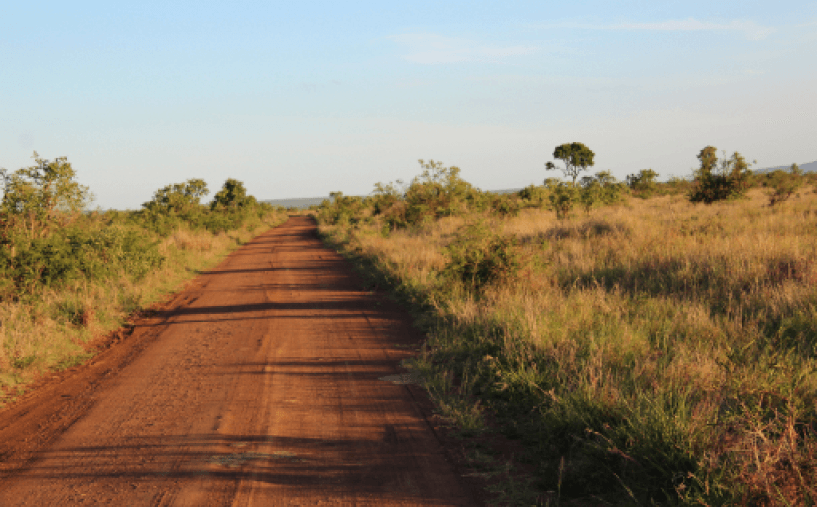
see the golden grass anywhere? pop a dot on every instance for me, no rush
(699, 322)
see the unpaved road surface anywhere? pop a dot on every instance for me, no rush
(258, 385)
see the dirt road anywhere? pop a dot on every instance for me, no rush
(258, 385)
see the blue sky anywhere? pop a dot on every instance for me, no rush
(299, 99)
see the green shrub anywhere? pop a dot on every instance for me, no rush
(643, 184)
(712, 183)
(478, 256)
(534, 196)
(563, 197)
(781, 184)
(76, 252)
(598, 190)
(47, 240)
(505, 205)
(437, 192)
(343, 209)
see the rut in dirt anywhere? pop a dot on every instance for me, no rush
(260, 385)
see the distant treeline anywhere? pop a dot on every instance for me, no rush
(440, 191)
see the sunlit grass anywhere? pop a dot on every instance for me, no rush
(666, 350)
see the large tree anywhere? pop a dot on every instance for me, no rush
(576, 157)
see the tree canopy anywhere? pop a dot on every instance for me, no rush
(232, 195)
(178, 197)
(576, 157)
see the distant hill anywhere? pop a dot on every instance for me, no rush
(298, 202)
(809, 167)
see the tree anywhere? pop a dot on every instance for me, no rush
(232, 195)
(713, 183)
(576, 157)
(42, 195)
(178, 197)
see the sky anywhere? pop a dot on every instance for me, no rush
(298, 99)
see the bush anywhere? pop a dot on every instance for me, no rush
(47, 240)
(712, 183)
(437, 192)
(479, 257)
(781, 184)
(601, 189)
(76, 252)
(563, 197)
(643, 184)
(534, 196)
(505, 205)
(342, 210)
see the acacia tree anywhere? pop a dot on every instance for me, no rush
(576, 157)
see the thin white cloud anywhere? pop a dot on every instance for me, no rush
(433, 49)
(750, 29)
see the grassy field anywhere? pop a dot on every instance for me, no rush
(652, 352)
(53, 327)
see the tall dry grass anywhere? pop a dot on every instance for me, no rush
(665, 350)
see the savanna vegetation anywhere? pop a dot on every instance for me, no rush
(69, 274)
(649, 343)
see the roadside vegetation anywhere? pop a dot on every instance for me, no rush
(68, 275)
(647, 343)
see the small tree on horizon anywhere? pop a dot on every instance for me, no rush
(576, 157)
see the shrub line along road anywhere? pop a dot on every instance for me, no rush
(258, 385)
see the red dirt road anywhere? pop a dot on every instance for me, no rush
(258, 385)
